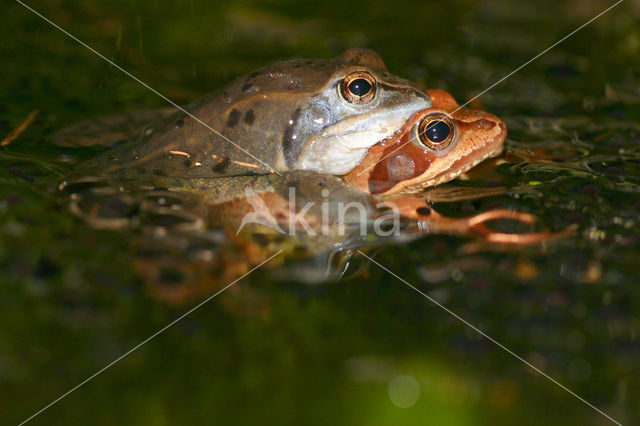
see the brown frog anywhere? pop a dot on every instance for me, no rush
(300, 114)
(375, 152)
(434, 146)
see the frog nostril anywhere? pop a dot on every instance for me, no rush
(483, 124)
(423, 211)
(414, 92)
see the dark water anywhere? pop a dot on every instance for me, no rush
(273, 350)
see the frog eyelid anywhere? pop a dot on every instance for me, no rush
(358, 87)
(435, 131)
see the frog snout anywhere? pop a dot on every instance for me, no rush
(503, 129)
(490, 123)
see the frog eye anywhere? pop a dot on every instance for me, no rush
(435, 131)
(359, 87)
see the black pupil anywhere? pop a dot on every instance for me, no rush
(437, 131)
(359, 87)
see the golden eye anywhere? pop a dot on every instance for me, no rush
(435, 131)
(358, 88)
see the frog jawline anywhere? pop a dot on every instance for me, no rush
(446, 177)
(337, 151)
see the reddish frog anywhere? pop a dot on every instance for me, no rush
(435, 145)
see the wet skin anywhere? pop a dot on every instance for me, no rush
(396, 166)
(345, 126)
(394, 171)
(407, 161)
(435, 145)
(301, 114)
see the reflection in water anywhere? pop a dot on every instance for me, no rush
(318, 220)
(306, 214)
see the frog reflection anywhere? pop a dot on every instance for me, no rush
(337, 132)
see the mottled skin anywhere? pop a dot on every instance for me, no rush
(231, 193)
(377, 176)
(476, 135)
(289, 115)
(228, 199)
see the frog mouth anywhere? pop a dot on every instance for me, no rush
(444, 177)
(341, 146)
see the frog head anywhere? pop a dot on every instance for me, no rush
(435, 145)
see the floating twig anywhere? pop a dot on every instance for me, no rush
(21, 128)
(242, 163)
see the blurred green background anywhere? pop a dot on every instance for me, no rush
(366, 350)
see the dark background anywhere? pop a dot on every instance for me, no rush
(275, 351)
